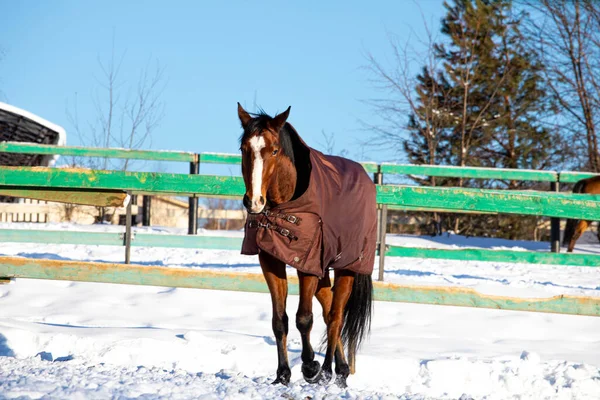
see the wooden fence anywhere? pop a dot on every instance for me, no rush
(552, 177)
(112, 187)
(13, 267)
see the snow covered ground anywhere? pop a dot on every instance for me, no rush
(86, 340)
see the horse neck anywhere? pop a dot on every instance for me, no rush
(283, 182)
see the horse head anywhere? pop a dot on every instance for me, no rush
(264, 158)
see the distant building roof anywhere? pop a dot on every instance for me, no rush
(18, 125)
(174, 201)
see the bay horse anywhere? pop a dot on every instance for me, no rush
(574, 228)
(312, 212)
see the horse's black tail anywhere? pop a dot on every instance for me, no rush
(572, 223)
(357, 316)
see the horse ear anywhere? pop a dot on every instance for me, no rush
(279, 120)
(244, 116)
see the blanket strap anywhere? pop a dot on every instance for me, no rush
(282, 231)
(292, 219)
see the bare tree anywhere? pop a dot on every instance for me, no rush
(126, 112)
(417, 105)
(328, 145)
(567, 35)
(398, 82)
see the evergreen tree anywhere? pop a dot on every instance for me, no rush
(470, 27)
(427, 124)
(483, 107)
(517, 138)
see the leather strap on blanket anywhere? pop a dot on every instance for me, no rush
(282, 231)
(292, 219)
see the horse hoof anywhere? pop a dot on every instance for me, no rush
(325, 377)
(340, 380)
(341, 373)
(283, 377)
(311, 371)
(283, 380)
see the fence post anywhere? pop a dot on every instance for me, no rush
(146, 210)
(382, 246)
(128, 231)
(193, 201)
(555, 224)
(378, 180)
(381, 225)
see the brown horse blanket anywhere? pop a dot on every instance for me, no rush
(333, 224)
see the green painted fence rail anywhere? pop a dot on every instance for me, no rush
(117, 239)
(188, 242)
(61, 237)
(370, 166)
(152, 155)
(551, 204)
(14, 267)
(574, 177)
(469, 172)
(136, 182)
(220, 158)
(504, 256)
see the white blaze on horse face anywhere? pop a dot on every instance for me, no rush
(257, 143)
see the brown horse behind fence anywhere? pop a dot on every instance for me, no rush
(575, 228)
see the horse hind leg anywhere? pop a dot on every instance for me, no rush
(343, 288)
(579, 230)
(276, 278)
(325, 297)
(304, 320)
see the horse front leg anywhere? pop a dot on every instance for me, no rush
(342, 289)
(276, 278)
(304, 322)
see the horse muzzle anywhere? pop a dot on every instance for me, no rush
(254, 206)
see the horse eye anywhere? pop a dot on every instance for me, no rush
(275, 152)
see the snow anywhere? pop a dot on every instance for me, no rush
(88, 341)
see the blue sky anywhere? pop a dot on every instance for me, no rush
(305, 54)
